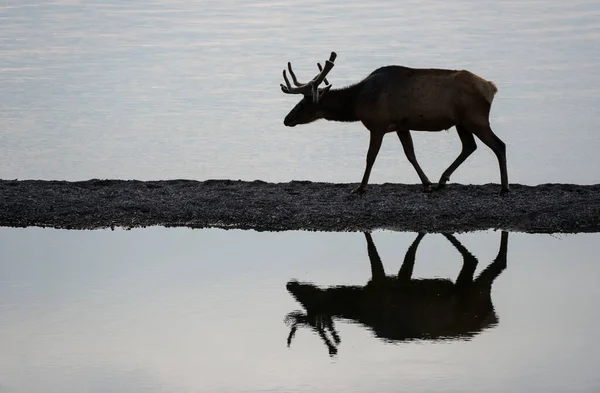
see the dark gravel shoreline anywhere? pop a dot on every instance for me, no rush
(297, 205)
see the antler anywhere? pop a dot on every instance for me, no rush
(311, 88)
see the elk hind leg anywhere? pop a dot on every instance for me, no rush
(487, 136)
(468, 147)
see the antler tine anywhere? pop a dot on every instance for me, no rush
(288, 87)
(300, 89)
(293, 75)
(328, 66)
(321, 70)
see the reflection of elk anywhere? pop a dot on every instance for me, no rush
(402, 308)
(401, 99)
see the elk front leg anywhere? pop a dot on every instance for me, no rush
(374, 145)
(409, 150)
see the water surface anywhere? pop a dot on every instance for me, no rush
(204, 310)
(161, 90)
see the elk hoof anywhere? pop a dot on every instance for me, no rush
(442, 183)
(358, 190)
(427, 188)
(504, 191)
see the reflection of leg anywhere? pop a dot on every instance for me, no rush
(465, 277)
(406, 270)
(377, 271)
(490, 273)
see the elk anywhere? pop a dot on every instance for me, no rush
(399, 308)
(400, 99)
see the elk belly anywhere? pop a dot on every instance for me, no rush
(429, 123)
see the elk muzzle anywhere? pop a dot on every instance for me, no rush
(288, 121)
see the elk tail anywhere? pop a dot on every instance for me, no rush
(487, 88)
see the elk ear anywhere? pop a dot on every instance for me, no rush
(322, 92)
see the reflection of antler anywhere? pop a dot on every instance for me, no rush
(320, 323)
(400, 307)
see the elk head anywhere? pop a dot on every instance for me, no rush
(307, 110)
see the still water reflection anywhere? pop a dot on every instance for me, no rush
(400, 307)
(180, 310)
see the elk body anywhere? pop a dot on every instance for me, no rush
(399, 308)
(400, 99)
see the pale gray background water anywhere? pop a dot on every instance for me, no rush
(175, 89)
(179, 310)
(190, 89)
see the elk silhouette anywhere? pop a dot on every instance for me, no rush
(400, 99)
(399, 308)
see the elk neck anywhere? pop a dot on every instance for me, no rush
(340, 104)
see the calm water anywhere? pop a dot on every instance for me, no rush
(181, 89)
(190, 89)
(179, 310)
